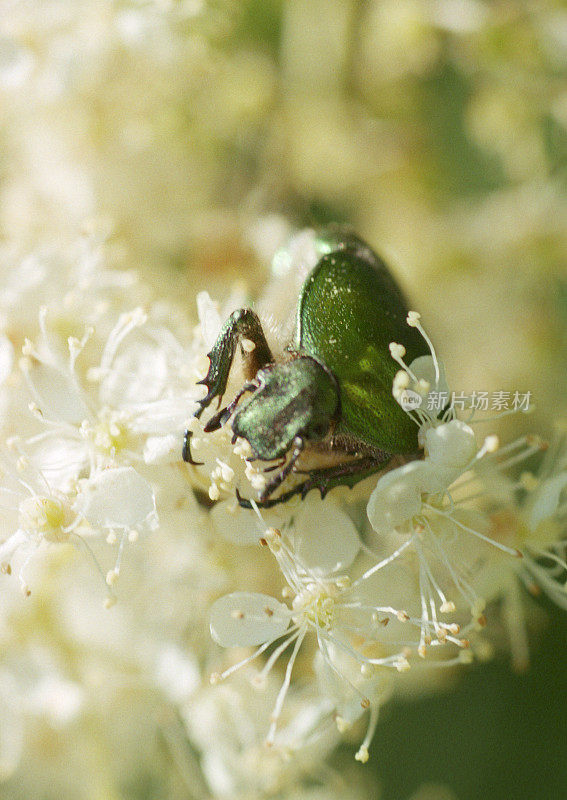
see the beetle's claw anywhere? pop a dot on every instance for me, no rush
(209, 397)
(216, 421)
(279, 465)
(187, 457)
(243, 502)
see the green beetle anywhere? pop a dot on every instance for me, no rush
(331, 396)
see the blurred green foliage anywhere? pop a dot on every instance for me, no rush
(497, 735)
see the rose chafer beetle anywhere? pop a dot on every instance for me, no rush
(330, 398)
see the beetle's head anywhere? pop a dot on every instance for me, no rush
(296, 398)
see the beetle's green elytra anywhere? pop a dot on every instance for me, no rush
(332, 392)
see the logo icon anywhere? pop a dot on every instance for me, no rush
(410, 400)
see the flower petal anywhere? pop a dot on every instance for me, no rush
(545, 499)
(6, 358)
(243, 618)
(450, 448)
(117, 498)
(326, 539)
(424, 369)
(57, 395)
(235, 524)
(397, 496)
(60, 459)
(209, 318)
(162, 449)
(137, 375)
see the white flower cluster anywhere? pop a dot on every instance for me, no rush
(371, 591)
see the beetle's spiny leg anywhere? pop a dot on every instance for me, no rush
(212, 425)
(243, 502)
(346, 474)
(282, 475)
(218, 419)
(242, 324)
(324, 480)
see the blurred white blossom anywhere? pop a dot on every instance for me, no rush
(150, 137)
(94, 460)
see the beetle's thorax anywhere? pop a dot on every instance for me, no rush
(298, 397)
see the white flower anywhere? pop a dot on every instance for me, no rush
(227, 725)
(427, 503)
(421, 388)
(36, 512)
(531, 514)
(74, 281)
(323, 602)
(129, 407)
(403, 493)
(117, 503)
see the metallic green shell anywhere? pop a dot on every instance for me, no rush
(296, 398)
(349, 311)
